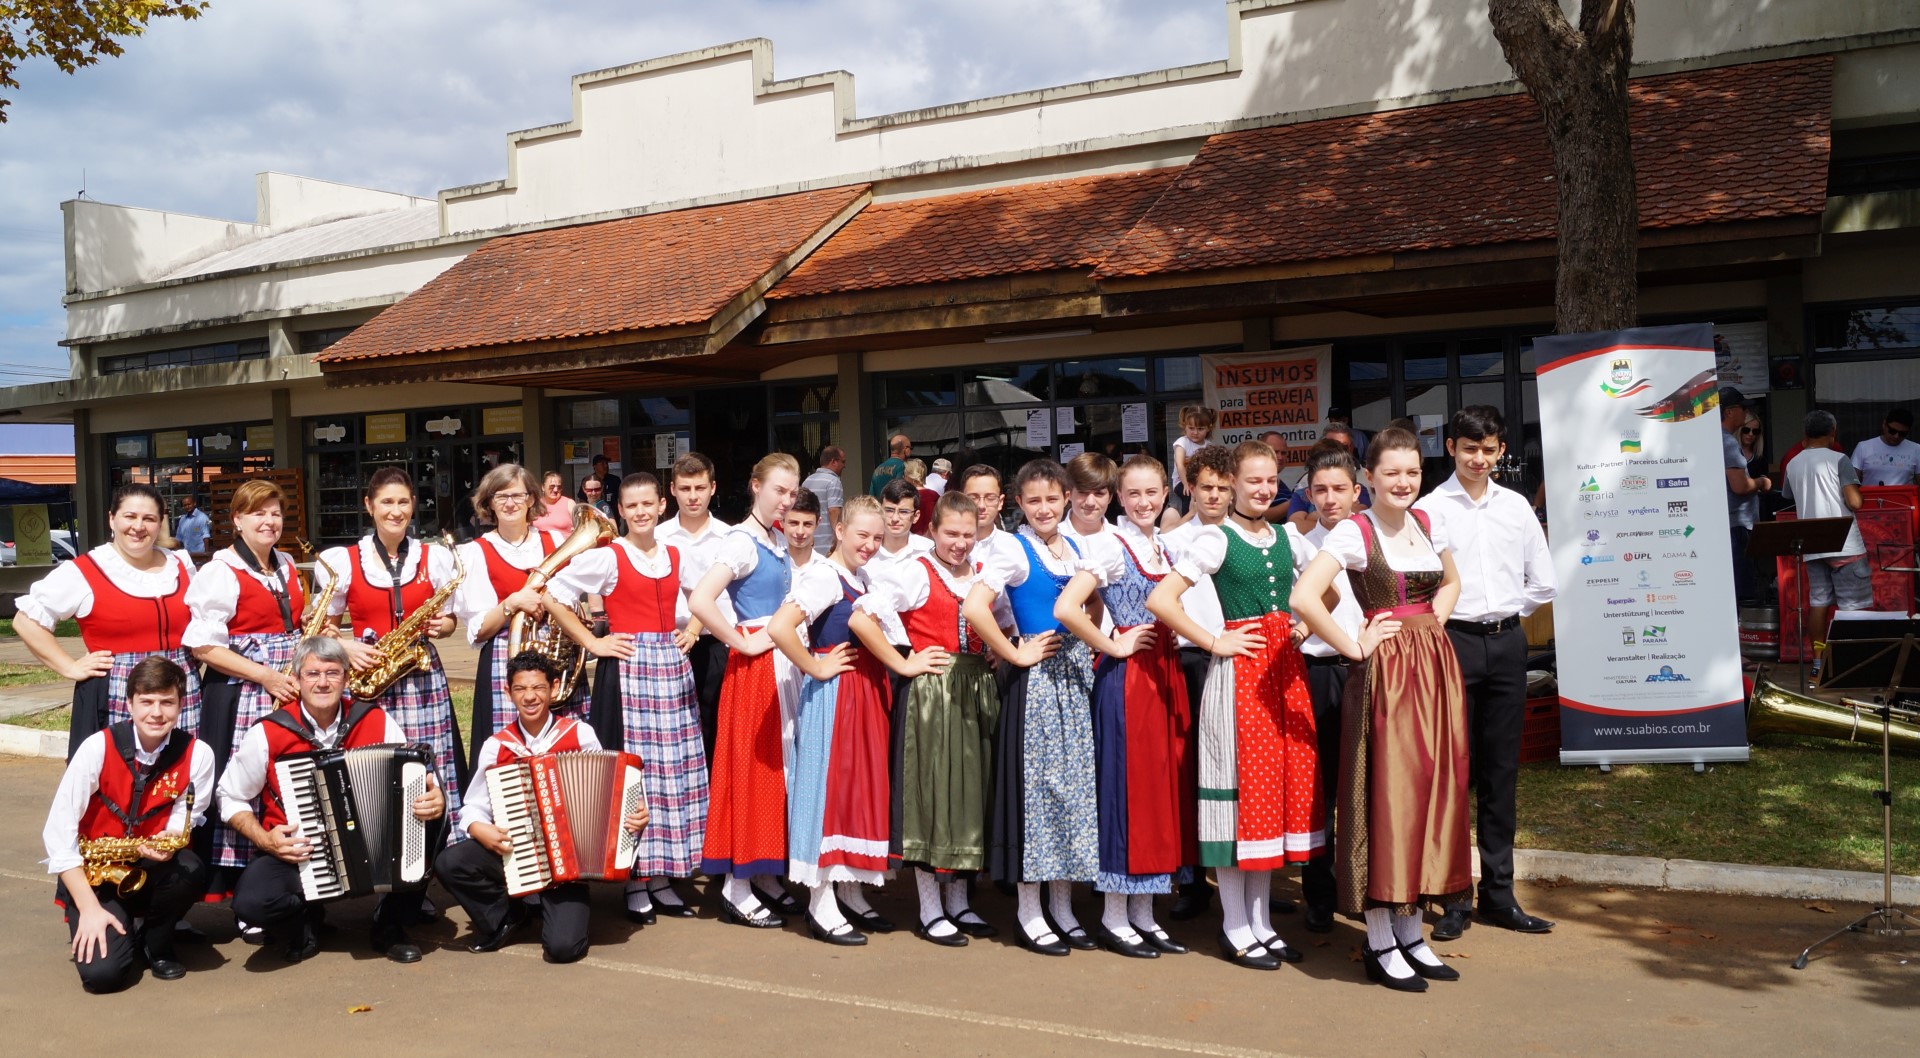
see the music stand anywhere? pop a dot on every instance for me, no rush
(1796, 538)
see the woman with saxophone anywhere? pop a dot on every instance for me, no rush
(394, 583)
(499, 561)
(246, 605)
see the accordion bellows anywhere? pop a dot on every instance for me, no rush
(355, 807)
(562, 813)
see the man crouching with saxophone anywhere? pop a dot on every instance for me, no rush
(118, 830)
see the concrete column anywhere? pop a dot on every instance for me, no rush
(1256, 336)
(857, 421)
(89, 482)
(539, 442)
(286, 432)
(1786, 337)
(280, 338)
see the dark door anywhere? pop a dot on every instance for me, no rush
(730, 427)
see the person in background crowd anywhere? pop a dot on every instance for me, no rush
(825, 484)
(1283, 496)
(1196, 424)
(916, 474)
(1823, 483)
(992, 546)
(1300, 508)
(595, 495)
(1504, 573)
(1891, 458)
(192, 527)
(937, 478)
(1743, 493)
(609, 483)
(1343, 417)
(695, 533)
(899, 448)
(556, 505)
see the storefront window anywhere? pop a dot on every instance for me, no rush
(444, 450)
(181, 462)
(1866, 363)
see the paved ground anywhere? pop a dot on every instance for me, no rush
(1628, 973)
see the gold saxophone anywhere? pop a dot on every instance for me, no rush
(540, 633)
(316, 623)
(117, 860)
(404, 649)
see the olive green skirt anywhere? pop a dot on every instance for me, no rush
(943, 766)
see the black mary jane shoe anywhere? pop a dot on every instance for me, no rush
(643, 918)
(1281, 950)
(1132, 950)
(979, 927)
(1255, 958)
(868, 922)
(1075, 938)
(780, 901)
(760, 918)
(956, 939)
(846, 936)
(677, 908)
(1442, 972)
(1158, 940)
(1378, 974)
(1049, 944)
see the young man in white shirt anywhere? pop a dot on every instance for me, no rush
(697, 533)
(1333, 486)
(1823, 484)
(1889, 459)
(1506, 573)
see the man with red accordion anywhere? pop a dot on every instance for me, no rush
(475, 871)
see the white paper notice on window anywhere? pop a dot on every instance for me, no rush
(1038, 437)
(1071, 449)
(1063, 419)
(1133, 424)
(663, 450)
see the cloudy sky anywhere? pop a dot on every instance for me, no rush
(414, 96)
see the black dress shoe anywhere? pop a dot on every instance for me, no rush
(497, 939)
(1158, 940)
(1512, 918)
(956, 939)
(760, 918)
(1318, 919)
(845, 936)
(1455, 922)
(642, 918)
(304, 945)
(977, 927)
(1379, 975)
(395, 945)
(166, 968)
(1193, 901)
(780, 900)
(1431, 973)
(184, 932)
(1284, 907)
(1281, 950)
(870, 922)
(675, 908)
(1254, 958)
(1053, 946)
(1130, 949)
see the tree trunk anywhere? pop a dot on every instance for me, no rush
(1578, 76)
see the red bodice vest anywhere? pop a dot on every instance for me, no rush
(371, 607)
(505, 578)
(257, 613)
(369, 728)
(512, 749)
(112, 813)
(938, 623)
(128, 624)
(640, 603)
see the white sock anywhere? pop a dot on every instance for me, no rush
(958, 908)
(1233, 907)
(1380, 939)
(929, 889)
(825, 911)
(1406, 930)
(661, 889)
(1032, 922)
(1060, 902)
(1140, 913)
(854, 895)
(739, 892)
(1259, 887)
(638, 899)
(1113, 915)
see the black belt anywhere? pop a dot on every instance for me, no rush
(1314, 660)
(1484, 628)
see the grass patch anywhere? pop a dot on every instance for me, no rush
(1800, 802)
(26, 675)
(68, 629)
(463, 711)
(48, 720)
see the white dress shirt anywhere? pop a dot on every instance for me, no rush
(374, 571)
(878, 567)
(1200, 600)
(697, 552)
(1498, 547)
(213, 596)
(476, 805)
(598, 573)
(476, 594)
(1346, 614)
(62, 833)
(246, 774)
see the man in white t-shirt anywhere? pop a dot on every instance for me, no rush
(1823, 484)
(1889, 459)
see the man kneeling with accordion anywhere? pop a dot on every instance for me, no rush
(340, 806)
(548, 811)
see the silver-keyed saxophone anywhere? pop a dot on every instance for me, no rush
(404, 649)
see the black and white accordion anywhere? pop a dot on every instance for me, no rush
(562, 813)
(355, 807)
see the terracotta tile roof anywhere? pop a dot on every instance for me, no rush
(1045, 226)
(638, 274)
(1738, 143)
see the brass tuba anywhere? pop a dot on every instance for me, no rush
(1774, 710)
(540, 633)
(404, 649)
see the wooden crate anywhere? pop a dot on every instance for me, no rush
(1540, 735)
(292, 481)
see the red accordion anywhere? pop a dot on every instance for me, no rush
(562, 813)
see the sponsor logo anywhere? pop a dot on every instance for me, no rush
(1588, 560)
(1666, 675)
(1633, 534)
(1626, 636)
(1627, 681)
(1683, 578)
(1591, 485)
(1682, 533)
(1653, 634)
(1629, 601)
(1644, 581)
(1672, 483)
(1633, 483)
(1634, 556)
(1679, 554)
(1630, 441)
(1676, 508)
(1601, 582)
(1595, 514)
(1654, 600)
(1690, 400)
(1642, 511)
(1620, 381)
(1594, 538)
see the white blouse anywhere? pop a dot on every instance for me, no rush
(1200, 601)
(1346, 544)
(739, 550)
(1346, 613)
(877, 567)
(1107, 553)
(905, 588)
(1009, 566)
(340, 559)
(597, 572)
(476, 596)
(1206, 549)
(214, 595)
(65, 593)
(818, 586)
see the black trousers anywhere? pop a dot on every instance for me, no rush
(269, 895)
(1495, 671)
(708, 659)
(172, 887)
(1326, 684)
(478, 879)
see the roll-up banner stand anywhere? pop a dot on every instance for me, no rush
(1649, 658)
